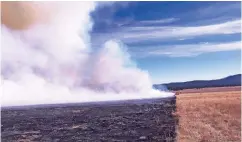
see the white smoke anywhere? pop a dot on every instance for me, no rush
(51, 63)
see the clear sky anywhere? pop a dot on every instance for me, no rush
(175, 41)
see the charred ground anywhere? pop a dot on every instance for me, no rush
(141, 120)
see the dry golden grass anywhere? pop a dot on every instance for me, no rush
(209, 117)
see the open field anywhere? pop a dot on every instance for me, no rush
(139, 120)
(205, 115)
(212, 89)
(211, 114)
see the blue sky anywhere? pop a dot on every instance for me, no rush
(174, 41)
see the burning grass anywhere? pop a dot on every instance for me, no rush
(209, 116)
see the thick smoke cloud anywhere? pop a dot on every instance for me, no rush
(46, 58)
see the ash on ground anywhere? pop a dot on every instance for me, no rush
(120, 122)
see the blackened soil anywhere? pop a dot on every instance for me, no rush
(120, 122)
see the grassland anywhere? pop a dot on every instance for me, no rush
(212, 114)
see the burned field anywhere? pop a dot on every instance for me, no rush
(138, 120)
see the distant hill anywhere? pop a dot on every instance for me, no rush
(234, 80)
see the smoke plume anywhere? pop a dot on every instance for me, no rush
(45, 58)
